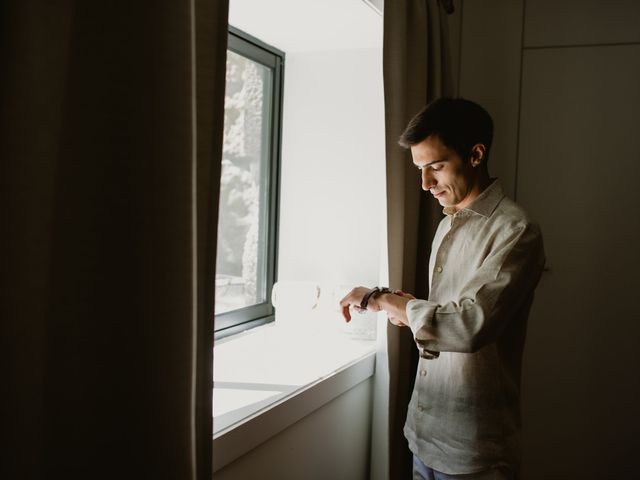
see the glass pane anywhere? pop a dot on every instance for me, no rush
(241, 269)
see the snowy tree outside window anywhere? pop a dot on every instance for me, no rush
(244, 203)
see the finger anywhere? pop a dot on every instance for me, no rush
(396, 322)
(346, 314)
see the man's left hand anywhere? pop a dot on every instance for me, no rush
(393, 303)
(354, 299)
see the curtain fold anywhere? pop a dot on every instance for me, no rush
(209, 48)
(111, 139)
(417, 70)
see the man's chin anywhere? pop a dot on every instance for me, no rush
(442, 199)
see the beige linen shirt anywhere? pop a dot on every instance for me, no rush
(486, 260)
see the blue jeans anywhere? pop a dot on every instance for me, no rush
(423, 472)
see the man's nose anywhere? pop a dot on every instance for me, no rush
(427, 180)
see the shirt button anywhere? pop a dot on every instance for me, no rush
(423, 373)
(439, 269)
(420, 408)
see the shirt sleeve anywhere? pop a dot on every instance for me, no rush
(491, 297)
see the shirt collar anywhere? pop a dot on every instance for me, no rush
(485, 203)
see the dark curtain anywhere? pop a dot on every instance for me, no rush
(416, 70)
(110, 144)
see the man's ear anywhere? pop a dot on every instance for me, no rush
(478, 153)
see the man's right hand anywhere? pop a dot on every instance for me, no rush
(400, 320)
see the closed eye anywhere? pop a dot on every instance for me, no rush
(431, 166)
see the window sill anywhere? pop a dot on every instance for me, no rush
(272, 376)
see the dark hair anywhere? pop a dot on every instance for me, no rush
(458, 123)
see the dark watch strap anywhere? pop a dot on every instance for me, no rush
(373, 293)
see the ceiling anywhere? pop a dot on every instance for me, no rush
(309, 25)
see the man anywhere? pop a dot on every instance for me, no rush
(486, 259)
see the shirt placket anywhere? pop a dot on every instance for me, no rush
(440, 269)
(443, 260)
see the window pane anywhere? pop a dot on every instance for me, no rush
(241, 270)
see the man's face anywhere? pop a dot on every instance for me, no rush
(444, 173)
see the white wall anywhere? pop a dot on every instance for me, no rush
(562, 81)
(490, 75)
(332, 187)
(325, 445)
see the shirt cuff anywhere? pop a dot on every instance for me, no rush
(420, 315)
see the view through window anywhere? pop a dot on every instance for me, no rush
(245, 269)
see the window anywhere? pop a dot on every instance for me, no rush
(246, 255)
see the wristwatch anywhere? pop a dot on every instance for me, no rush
(373, 293)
